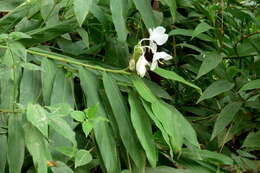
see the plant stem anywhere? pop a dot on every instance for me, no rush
(58, 58)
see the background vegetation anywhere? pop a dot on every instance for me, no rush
(68, 102)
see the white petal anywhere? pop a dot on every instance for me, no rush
(141, 66)
(154, 65)
(161, 55)
(158, 35)
(159, 39)
(157, 56)
(159, 30)
(153, 47)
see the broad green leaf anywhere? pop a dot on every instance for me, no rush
(189, 32)
(78, 116)
(81, 9)
(117, 9)
(103, 133)
(190, 46)
(31, 66)
(189, 133)
(62, 91)
(158, 90)
(225, 117)
(19, 35)
(30, 87)
(166, 137)
(68, 151)
(9, 5)
(63, 128)
(211, 61)
(117, 53)
(87, 127)
(16, 146)
(252, 140)
(47, 75)
(8, 85)
(146, 12)
(143, 128)
(254, 84)
(173, 8)
(37, 147)
(122, 117)
(210, 156)
(61, 168)
(47, 6)
(200, 28)
(18, 50)
(171, 124)
(82, 157)
(84, 35)
(143, 90)
(38, 117)
(11, 19)
(47, 33)
(175, 77)
(3, 153)
(216, 88)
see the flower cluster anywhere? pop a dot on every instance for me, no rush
(157, 38)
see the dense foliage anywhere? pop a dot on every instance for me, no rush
(69, 102)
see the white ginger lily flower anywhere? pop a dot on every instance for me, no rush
(141, 66)
(156, 57)
(158, 35)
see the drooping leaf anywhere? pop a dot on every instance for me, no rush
(166, 137)
(3, 153)
(146, 12)
(175, 77)
(30, 87)
(47, 76)
(211, 61)
(37, 147)
(173, 8)
(117, 9)
(122, 117)
(16, 146)
(62, 91)
(143, 90)
(62, 127)
(38, 117)
(82, 157)
(225, 117)
(189, 133)
(216, 88)
(143, 128)
(103, 133)
(171, 124)
(81, 9)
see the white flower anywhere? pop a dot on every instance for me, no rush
(157, 56)
(158, 35)
(141, 66)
